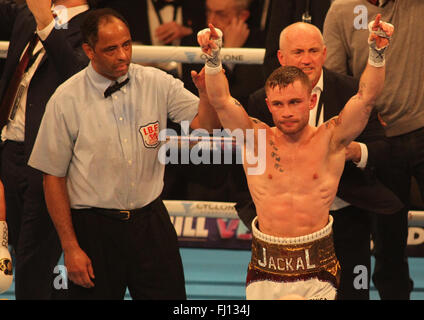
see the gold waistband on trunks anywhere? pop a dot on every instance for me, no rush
(294, 256)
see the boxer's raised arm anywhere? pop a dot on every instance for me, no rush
(230, 112)
(354, 116)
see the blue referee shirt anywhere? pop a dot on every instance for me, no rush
(108, 147)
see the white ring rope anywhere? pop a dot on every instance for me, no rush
(150, 54)
(207, 209)
(416, 218)
(226, 210)
(204, 142)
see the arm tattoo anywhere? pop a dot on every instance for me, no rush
(335, 121)
(238, 104)
(362, 86)
(368, 106)
(338, 119)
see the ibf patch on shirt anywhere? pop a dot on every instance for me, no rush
(150, 134)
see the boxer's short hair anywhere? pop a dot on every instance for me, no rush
(283, 76)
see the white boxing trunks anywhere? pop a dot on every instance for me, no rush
(304, 266)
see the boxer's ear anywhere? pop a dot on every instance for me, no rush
(280, 57)
(268, 105)
(313, 101)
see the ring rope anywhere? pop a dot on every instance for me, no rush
(226, 210)
(207, 209)
(150, 54)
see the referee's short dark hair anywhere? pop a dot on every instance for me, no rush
(90, 26)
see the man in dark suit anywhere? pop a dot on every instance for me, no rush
(214, 183)
(231, 18)
(360, 193)
(137, 14)
(44, 51)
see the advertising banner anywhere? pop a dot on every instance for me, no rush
(198, 225)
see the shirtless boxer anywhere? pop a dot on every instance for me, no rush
(292, 247)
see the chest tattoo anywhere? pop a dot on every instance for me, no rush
(276, 157)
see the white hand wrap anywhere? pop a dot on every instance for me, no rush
(6, 270)
(376, 55)
(213, 63)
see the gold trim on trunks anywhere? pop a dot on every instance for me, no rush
(295, 260)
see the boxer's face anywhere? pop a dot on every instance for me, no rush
(111, 55)
(303, 48)
(290, 107)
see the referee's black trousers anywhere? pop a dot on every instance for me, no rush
(140, 254)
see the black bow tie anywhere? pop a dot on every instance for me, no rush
(115, 87)
(159, 4)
